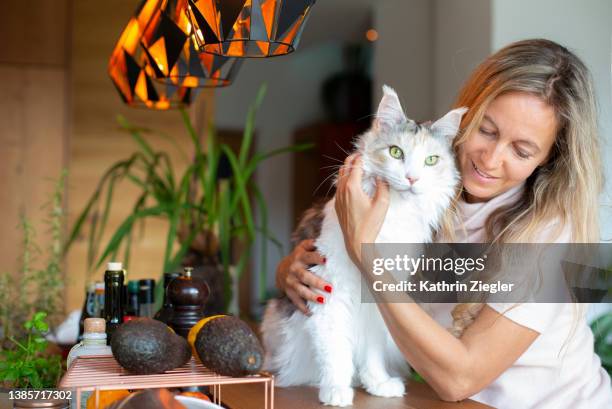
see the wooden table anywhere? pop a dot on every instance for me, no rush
(418, 396)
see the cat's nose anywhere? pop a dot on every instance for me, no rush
(411, 180)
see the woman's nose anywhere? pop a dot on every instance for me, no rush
(491, 157)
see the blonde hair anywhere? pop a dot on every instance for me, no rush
(557, 76)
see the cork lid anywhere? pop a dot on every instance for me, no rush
(95, 325)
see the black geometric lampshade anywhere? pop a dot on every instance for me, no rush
(248, 28)
(170, 46)
(133, 75)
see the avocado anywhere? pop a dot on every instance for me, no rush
(147, 346)
(180, 351)
(228, 346)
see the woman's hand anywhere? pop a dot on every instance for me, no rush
(360, 216)
(294, 278)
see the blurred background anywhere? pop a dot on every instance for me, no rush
(58, 108)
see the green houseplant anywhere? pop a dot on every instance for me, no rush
(31, 302)
(39, 285)
(27, 365)
(199, 207)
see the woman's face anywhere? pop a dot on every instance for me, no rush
(515, 136)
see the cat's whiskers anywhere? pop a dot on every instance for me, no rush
(323, 182)
(342, 149)
(332, 158)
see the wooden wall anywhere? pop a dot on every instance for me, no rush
(34, 115)
(58, 109)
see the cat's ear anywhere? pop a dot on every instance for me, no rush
(390, 112)
(448, 125)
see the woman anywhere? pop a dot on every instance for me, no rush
(529, 158)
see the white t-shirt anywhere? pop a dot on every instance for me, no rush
(560, 368)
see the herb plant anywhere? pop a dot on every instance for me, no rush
(26, 365)
(36, 288)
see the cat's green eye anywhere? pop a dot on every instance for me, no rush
(431, 160)
(396, 152)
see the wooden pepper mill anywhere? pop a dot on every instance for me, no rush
(188, 298)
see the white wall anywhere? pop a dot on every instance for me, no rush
(585, 27)
(426, 50)
(403, 54)
(461, 41)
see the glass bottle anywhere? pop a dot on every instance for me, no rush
(113, 297)
(146, 297)
(132, 305)
(94, 340)
(99, 300)
(93, 343)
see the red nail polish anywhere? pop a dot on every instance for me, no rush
(320, 300)
(324, 260)
(328, 288)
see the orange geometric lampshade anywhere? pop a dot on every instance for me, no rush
(170, 46)
(248, 28)
(133, 75)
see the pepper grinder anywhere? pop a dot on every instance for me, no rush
(188, 298)
(165, 312)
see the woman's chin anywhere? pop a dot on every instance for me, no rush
(477, 193)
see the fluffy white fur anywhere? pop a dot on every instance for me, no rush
(345, 343)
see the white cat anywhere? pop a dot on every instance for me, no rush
(345, 343)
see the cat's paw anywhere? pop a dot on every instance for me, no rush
(336, 395)
(392, 387)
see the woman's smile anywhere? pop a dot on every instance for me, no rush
(482, 176)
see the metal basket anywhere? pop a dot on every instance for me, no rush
(97, 373)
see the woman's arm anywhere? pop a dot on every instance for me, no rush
(455, 368)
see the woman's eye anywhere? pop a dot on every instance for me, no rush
(522, 154)
(431, 160)
(487, 133)
(396, 152)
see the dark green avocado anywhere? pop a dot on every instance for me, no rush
(229, 347)
(180, 351)
(146, 346)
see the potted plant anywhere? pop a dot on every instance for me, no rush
(207, 211)
(30, 303)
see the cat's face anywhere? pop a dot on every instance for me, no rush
(411, 158)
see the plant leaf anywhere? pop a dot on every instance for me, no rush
(135, 134)
(124, 229)
(241, 196)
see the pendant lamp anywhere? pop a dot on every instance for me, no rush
(155, 63)
(248, 28)
(170, 46)
(131, 72)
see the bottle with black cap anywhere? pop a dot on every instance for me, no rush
(146, 297)
(114, 277)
